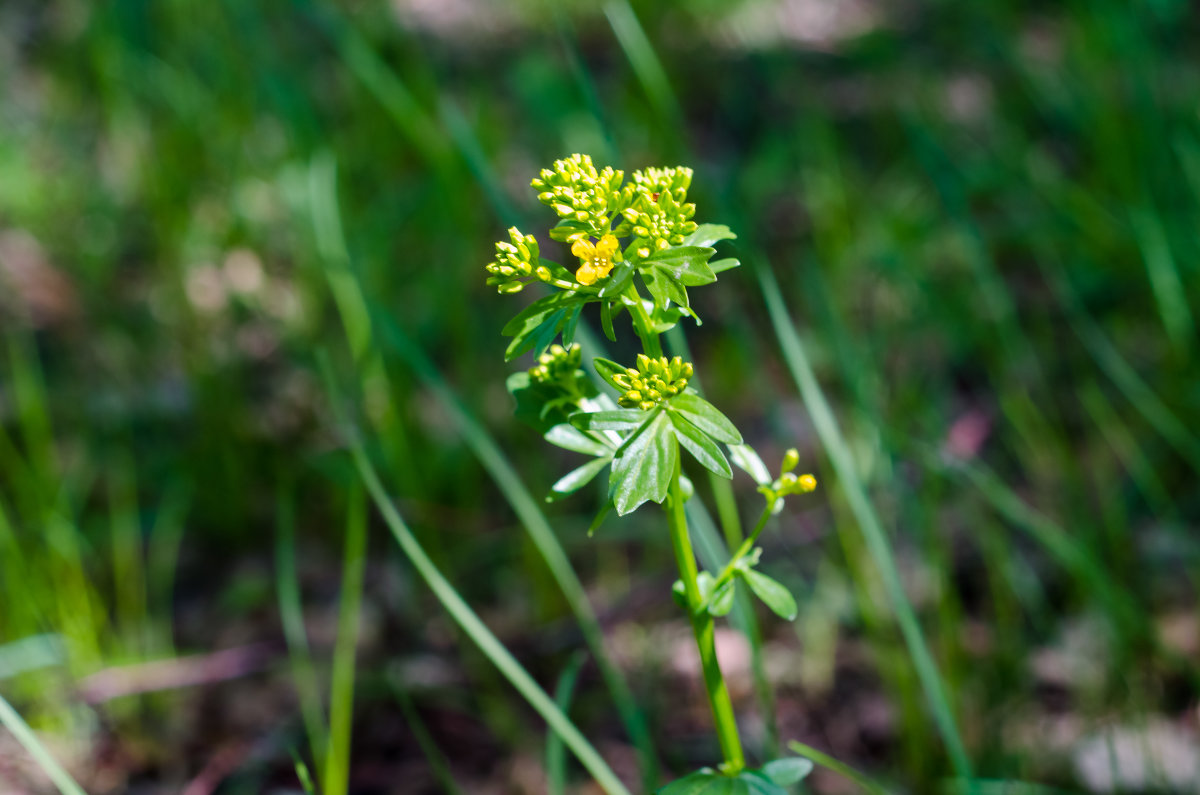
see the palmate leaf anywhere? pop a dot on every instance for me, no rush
(644, 464)
(669, 272)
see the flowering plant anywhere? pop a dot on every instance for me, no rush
(627, 236)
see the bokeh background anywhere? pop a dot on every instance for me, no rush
(982, 219)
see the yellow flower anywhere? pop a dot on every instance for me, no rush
(596, 258)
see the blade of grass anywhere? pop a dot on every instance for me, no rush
(25, 736)
(556, 755)
(645, 61)
(841, 768)
(872, 530)
(437, 760)
(1169, 293)
(461, 612)
(336, 777)
(291, 613)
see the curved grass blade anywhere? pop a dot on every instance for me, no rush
(872, 529)
(466, 618)
(556, 758)
(841, 768)
(25, 736)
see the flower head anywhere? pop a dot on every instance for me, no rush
(596, 259)
(654, 381)
(516, 263)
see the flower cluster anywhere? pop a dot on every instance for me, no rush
(586, 199)
(557, 365)
(516, 261)
(657, 213)
(654, 381)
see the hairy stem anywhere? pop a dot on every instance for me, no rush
(705, 631)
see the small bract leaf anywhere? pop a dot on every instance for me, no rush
(722, 599)
(773, 594)
(606, 369)
(788, 771)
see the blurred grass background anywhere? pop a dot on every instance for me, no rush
(983, 219)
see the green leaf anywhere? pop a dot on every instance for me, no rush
(618, 420)
(599, 518)
(698, 443)
(705, 416)
(576, 479)
(707, 234)
(606, 369)
(543, 405)
(618, 279)
(704, 584)
(788, 771)
(536, 326)
(722, 265)
(745, 458)
(569, 325)
(709, 782)
(772, 592)
(687, 264)
(569, 437)
(606, 319)
(644, 465)
(721, 601)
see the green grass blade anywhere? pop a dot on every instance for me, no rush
(25, 736)
(438, 763)
(1140, 394)
(466, 618)
(1163, 272)
(556, 756)
(291, 612)
(336, 779)
(837, 766)
(644, 60)
(872, 529)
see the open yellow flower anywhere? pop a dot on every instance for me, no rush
(596, 258)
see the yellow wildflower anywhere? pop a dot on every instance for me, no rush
(596, 258)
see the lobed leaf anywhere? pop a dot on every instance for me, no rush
(705, 416)
(644, 465)
(700, 445)
(707, 234)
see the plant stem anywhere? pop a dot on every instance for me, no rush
(705, 631)
(641, 322)
(745, 548)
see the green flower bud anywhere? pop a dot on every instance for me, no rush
(790, 459)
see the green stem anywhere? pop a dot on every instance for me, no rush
(641, 323)
(705, 631)
(745, 548)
